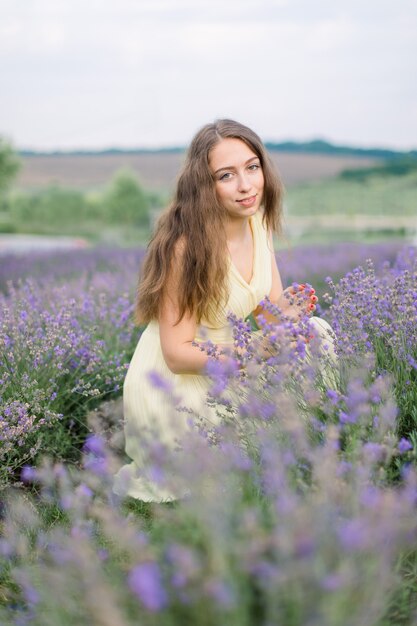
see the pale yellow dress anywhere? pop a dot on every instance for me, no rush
(150, 409)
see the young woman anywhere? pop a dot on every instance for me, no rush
(211, 254)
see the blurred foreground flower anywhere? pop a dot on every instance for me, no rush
(284, 522)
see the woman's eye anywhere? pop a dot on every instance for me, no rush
(225, 176)
(254, 166)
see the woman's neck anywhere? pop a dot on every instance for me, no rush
(237, 230)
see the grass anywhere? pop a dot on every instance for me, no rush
(377, 196)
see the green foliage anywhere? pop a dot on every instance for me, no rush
(6, 226)
(54, 206)
(9, 164)
(125, 201)
(393, 167)
(56, 210)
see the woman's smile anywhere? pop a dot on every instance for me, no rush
(248, 202)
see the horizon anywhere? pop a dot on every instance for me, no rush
(183, 147)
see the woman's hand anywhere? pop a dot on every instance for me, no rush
(297, 300)
(294, 302)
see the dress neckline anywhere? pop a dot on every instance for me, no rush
(245, 282)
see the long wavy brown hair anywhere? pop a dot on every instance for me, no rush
(195, 220)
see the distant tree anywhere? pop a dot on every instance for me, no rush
(9, 164)
(125, 202)
(54, 206)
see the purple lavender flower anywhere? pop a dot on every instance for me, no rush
(241, 331)
(84, 491)
(345, 418)
(354, 535)
(95, 444)
(333, 396)
(404, 446)
(185, 563)
(28, 474)
(376, 312)
(145, 581)
(258, 408)
(332, 582)
(343, 468)
(97, 465)
(220, 592)
(371, 497)
(237, 458)
(375, 452)
(159, 382)
(103, 554)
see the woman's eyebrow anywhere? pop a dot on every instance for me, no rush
(231, 167)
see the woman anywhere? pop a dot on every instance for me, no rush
(211, 254)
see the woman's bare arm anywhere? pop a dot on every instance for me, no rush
(177, 338)
(181, 356)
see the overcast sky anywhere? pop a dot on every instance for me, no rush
(101, 73)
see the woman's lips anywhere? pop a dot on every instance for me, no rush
(248, 201)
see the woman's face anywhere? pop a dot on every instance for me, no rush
(238, 177)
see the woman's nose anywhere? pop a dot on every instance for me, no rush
(243, 182)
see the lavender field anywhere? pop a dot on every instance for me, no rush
(299, 509)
